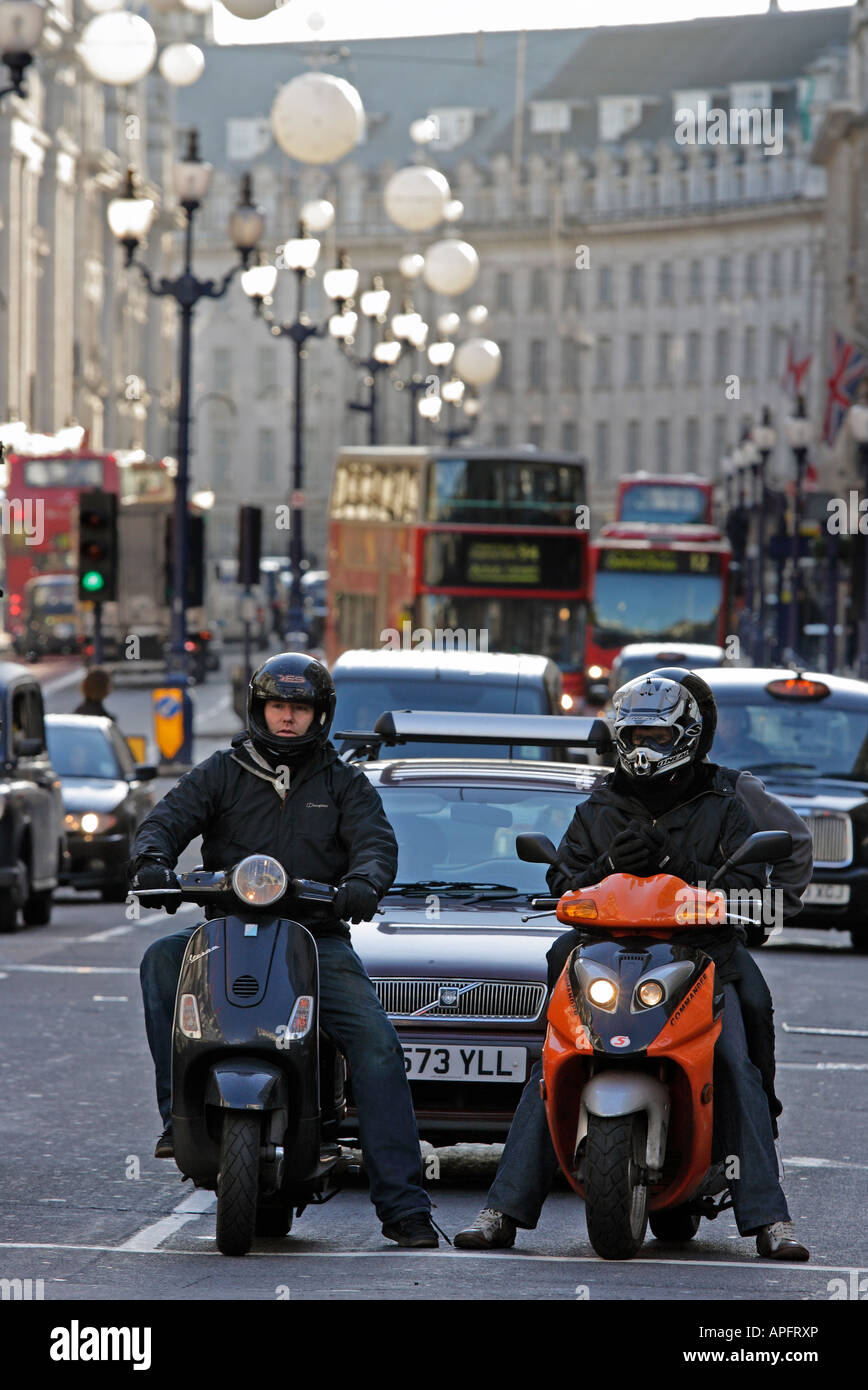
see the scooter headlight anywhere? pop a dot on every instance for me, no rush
(259, 880)
(603, 993)
(651, 993)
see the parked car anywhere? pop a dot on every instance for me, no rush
(32, 840)
(457, 969)
(104, 797)
(370, 682)
(806, 736)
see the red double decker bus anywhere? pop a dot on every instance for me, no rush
(474, 549)
(655, 583)
(44, 480)
(666, 499)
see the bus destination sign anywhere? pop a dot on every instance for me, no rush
(465, 560)
(659, 561)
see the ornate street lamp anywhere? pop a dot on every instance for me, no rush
(765, 438)
(798, 433)
(129, 218)
(21, 24)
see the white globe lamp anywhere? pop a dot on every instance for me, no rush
(451, 267)
(317, 118)
(415, 198)
(477, 361)
(118, 48)
(182, 64)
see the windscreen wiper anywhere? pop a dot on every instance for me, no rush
(450, 888)
(773, 767)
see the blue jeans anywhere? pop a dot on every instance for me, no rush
(528, 1165)
(351, 1014)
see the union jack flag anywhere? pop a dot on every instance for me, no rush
(848, 367)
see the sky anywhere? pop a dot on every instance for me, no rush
(330, 20)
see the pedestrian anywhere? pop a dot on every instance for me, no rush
(94, 688)
(327, 824)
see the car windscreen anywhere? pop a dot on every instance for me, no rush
(81, 752)
(803, 737)
(361, 702)
(468, 834)
(629, 667)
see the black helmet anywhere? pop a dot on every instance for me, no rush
(300, 679)
(704, 697)
(656, 701)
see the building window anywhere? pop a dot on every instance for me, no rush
(222, 456)
(667, 283)
(751, 275)
(539, 291)
(777, 348)
(605, 290)
(569, 437)
(537, 364)
(718, 447)
(635, 344)
(266, 370)
(691, 444)
(662, 442)
(570, 365)
(503, 380)
(572, 294)
(775, 272)
(664, 359)
(749, 368)
(501, 436)
(693, 364)
(603, 373)
(797, 268)
(694, 282)
(503, 290)
(722, 361)
(637, 284)
(724, 277)
(266, 456)
(632, 451)
(601, 448)
(536, 435)
(222, 368)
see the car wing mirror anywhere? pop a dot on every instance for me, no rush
(535, 849)
(144, 772)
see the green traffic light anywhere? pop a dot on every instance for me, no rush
(92, 581)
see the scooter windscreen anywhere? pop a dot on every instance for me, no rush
(624, 995)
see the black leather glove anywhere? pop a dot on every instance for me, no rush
(356, 900)
(151, 873)
(630, 853)
(663, 851)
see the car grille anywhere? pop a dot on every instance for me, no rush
(502, 1001)
(833, 838)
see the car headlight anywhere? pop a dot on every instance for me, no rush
(91, 822)
(259, 880)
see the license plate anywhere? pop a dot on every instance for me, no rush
(827, 893)
(456, 1063)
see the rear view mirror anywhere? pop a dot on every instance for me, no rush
(145, 772)
(535, 849)
(764, 847)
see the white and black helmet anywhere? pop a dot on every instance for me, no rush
(656, 702)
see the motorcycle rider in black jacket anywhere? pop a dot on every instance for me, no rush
(281, 789)
(663, 810)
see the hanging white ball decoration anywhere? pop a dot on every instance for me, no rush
(182, 64)
(415, 198)
(317, 118)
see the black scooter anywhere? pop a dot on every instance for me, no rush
(257, 1090)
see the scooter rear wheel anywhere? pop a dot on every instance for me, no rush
(237, 1183)
(676, 1224)
(616, 1193)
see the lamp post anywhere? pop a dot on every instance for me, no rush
(129, 219)
(858, 420)
(411, 330)
(798, 435)
(21, 25)
(764, 438)
(300, 255)
(749, 465)
(374, 304)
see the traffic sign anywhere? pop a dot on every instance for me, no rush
(169, 720)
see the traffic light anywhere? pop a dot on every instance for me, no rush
(195, 559)
(97, 547)
(249, 544)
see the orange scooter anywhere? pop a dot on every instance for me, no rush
(628, 1060)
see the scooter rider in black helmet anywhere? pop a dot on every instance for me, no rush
(281, 789)
(663, 809)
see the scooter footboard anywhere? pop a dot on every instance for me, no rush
(614, 1093)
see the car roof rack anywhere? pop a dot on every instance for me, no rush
(395, 727)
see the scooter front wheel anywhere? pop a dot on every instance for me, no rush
(616, 1191)
(237, 1183)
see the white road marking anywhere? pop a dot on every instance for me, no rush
(828, 1032)
(148, 1239)
(752, 1263)
(107, 935)
(823, 1163)
(822, 1066)
(111, 998)
(75, 969)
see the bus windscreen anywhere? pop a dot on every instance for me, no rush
(645, 596)
(669, 504)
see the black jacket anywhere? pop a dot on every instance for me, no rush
(704, 826)
(329, 824)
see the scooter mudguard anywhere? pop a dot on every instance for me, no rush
(614, 1093)
(246, 1085)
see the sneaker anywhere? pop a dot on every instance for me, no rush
(778, 1242)
(491, 1230)
(165, 1144)
(414, 1231)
